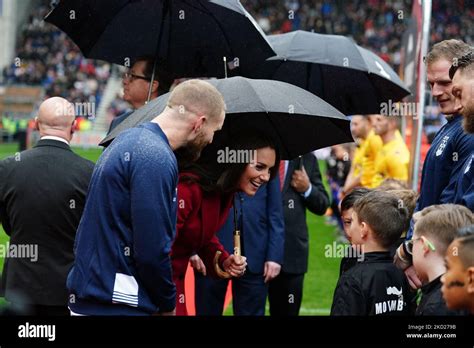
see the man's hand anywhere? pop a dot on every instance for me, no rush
(300, 181)
(197, 264)
(235, 266)
(413, 279)
(271, 270)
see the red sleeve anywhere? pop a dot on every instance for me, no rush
(208, 251)
(189, 198)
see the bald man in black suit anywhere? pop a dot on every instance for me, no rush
(42, 195)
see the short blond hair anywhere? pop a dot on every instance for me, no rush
(447, 49)
(198, 96)
(442, 222)
(392, 184)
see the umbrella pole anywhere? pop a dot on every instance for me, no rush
(151, 82)
(225, 66)
(237, 250)
(165, 10)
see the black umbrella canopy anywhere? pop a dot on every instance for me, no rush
(299, 121)
(347, 76)
(305, 46)
(190, 37)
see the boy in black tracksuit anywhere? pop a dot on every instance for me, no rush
(374, 286)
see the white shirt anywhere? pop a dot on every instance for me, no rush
(52, 137)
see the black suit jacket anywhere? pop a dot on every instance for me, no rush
(42, 196)
(294, 211)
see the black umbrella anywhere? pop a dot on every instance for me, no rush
(299, 121)
(190, 37)
(349, 77)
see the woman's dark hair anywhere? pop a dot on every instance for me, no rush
(216, 173)
(349, 200)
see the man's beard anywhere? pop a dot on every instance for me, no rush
(468, 121)
(192, 151)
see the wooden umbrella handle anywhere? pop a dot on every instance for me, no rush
(237, 252)
(237, 248)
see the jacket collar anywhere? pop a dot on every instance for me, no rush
(54, 143)
(427, 288)
(377, 256)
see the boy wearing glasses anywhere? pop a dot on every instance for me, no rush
(435, 228)
(374, 286)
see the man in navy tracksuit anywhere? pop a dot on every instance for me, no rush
(444, 162)
(451, 147)
(123, 242)
(462, 75)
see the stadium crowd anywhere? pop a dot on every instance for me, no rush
(375, 24)
(46, 56)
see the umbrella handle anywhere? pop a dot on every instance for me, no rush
(237, 252)
(237, 247)
(219, 271)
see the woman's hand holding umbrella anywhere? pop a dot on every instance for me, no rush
(235, 265)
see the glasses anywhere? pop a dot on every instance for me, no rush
(132, 77)
(427, 242)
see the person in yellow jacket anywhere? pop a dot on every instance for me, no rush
(362, 169)
(394, 157)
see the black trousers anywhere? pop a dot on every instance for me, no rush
(285, 294)
(249, 294)
(37, 310)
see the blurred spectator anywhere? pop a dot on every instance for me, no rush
(338, 165)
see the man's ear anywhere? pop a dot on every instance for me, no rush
(74, 126)
(36, 124)
(199, 123)
(364, 230)
(470, 280)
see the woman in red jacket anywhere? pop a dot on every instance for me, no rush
(205, 195)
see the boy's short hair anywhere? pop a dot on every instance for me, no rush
(466, 250)
(408, 198)
(442, 222)
(392, 184)
(384, 215)
(419, 214)
(349, 200)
